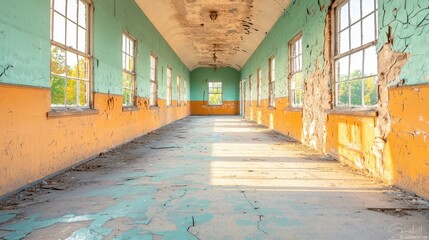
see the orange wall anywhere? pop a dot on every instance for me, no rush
(408, 142)
(33, 146)
(349, 139)
(280, 118)
(227, 108)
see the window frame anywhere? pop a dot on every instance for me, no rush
(221, 93)
(250, 91)
(178, 79)
(271, 81)
(169, 100)
(259, 86)
(61, 110)
(185, 92)
(292, 56)
(336, 55)
(134, 72)
(153, 83)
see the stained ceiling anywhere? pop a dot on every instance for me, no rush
(213, 33)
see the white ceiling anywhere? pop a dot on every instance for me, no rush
(240, 27)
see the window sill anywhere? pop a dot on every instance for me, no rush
(293, 109)
(153, 108)
(71, 112)
(130, 109)
(351, 112)
(170, 106)
(271, 108)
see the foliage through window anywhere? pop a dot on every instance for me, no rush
(128, 70)
(259, 86)
(169, 90)
(153, 99)
(271, 81)
(215, 93)
(70, 53)
(295, 72)
(355, 53)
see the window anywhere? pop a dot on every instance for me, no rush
(250, 90)
(355, 53)
(185, 92)
(70, 53)
(153, 81)
(169, 90)
(215, 93)
(178, 90)
(128, 70)
(259, 86)
(271, 81)
(295, 71)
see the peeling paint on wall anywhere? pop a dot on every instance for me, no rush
(407, 23)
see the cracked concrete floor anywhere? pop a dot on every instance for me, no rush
(213, 178)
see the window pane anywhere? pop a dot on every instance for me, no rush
(298, 97)
(356, 36)
(58, 61)
(356, 92)
(83, 93)
(58, 85)
(356, 65)
(354, 10)
(131, 66)
(369, 31)
(370, 91)
(71, 34)
(59, 31)
(83, 68)
(81, 40)
(72, 10)
(344, 44)
(60, 6)
(343, 69)
(343, 94)
(71, 93)
(367, 7)
(82, 14)
(370, 61)
(72, 65)
(344, 16)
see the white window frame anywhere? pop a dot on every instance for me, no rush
(296, 91)
(169, 86)
(250, 91)
(129, 53)
(153, 78)
(86, 54)
(363, 47)
(259, 86)
(178, 90)
(271, 81)
(214, 93)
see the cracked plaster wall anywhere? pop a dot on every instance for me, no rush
(381, 145)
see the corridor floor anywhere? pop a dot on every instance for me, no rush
(213, 178)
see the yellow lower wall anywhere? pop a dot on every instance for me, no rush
(281, 118)
(33, 146)
(350, 138)
(227, 108)
(408, 142)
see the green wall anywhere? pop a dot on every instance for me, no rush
(409, 25)
(229, 77)
(24, 42)
(25, 45)
(307, 17)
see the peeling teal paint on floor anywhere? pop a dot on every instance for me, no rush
(6, 216)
